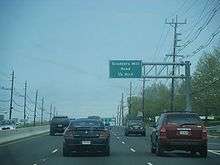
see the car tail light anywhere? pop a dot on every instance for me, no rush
(204, 133)
(163, 132)
(103, 135)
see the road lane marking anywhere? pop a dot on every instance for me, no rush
(133, 150)
(54, 150)
(35, 164)
(149, 163)
(217, 152)
(123, 142)
(118, 137)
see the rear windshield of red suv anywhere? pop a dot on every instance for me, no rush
(180, 119)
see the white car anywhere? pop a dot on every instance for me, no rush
(7, 125)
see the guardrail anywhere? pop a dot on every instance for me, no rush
(11, 135)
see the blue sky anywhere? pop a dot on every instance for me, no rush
(63, 47)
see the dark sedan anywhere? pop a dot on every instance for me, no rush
(135, 127)
(58, 124)
(86, 136)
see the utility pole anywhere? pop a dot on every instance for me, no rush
(174, 24)
(25, 99)
(129, 110)
(54, 111)
(35, 107)
(50, 111)
(11, 99)
(118, 114)
(42, 110)
(143, 95)
(122, 109)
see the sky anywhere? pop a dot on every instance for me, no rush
(63, 48)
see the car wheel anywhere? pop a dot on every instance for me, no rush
(192, 152)
(65, 151)
(159, 150)
(126, 134)
(153, 150)
(203, 152)
(107, 151)
(52, 133)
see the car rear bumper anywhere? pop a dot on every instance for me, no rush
(95, 146)
(57, 129)
(135, 131)
(182, 144)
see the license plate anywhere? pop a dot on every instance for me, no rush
(86, 142)
(184, 132)
(60, 125)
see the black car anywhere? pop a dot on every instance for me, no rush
(86, 136)
(58, 124)
(135, 127)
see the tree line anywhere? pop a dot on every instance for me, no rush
(205, 90)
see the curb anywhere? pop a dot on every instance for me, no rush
(13, 139)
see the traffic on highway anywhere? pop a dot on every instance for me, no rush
(110, 82)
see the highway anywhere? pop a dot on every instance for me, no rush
(47, 150)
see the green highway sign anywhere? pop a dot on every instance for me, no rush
(125, 68)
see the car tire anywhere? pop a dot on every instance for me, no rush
(66, 151)
(153, 150)
(107, 151)
(159, 150)
(203, 152)
(193, 152)
(126, 133)
(52, 133)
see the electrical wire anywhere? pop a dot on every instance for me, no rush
(200, 29)
(17, 103)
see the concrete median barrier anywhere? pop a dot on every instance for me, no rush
(12, 135)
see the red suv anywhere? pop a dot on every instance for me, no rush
(179, 131)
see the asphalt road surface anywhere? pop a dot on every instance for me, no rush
(47, 150)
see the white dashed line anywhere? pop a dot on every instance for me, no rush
(123, 142)
(54, 150)
(133, 150)
(149, 163)
(217, 152)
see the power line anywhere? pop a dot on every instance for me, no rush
(200, 29)
(17, 104)
(208, 42)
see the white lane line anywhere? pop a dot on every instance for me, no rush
(123, 142)
(217, 152)
(35, 164)
(54, 150)
(149, 163)
(133, 150)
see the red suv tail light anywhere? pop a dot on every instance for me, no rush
(163, 132)
(204, 133)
